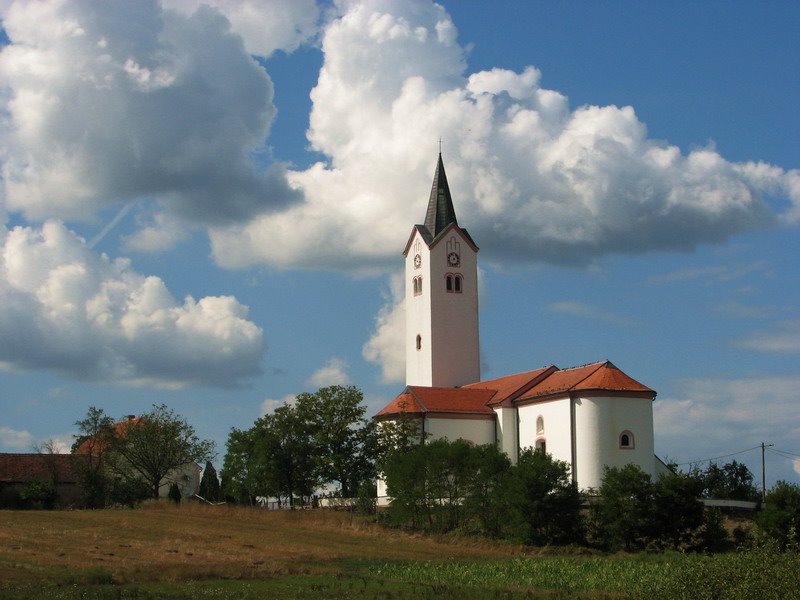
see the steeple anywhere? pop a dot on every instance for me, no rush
(440, 205)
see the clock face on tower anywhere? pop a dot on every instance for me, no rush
(417, 261)
(453, 260)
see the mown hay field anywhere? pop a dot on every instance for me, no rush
(192, 551)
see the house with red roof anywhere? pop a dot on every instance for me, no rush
(58, 470)
(589, 416)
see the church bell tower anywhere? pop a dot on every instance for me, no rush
(441, 299)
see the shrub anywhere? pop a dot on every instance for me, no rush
(38, 494)
(174, 493)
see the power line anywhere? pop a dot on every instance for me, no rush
(692, 462)
(784, 453)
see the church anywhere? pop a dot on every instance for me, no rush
(589, 416)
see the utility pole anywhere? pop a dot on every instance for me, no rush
(763, 473)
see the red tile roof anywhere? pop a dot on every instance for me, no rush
(19, 468)
(479, 398)
(87, 445)
(600, 376)
(510, 386)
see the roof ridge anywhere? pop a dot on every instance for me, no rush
(410, 391)
(599, 366)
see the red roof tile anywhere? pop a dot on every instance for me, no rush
(87, 445)
(510, 385)
(478, 398)
(596, 376)
(19, 468)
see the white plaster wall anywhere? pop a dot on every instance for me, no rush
(507, 431)
(557, 431)
(599, 421)
(418, 316)
(454, 317)
(477, 431)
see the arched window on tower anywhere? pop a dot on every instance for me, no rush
(540, 425)
(457, 284)
(448, 282)
(419, 342)
(417, 286)
(626, 440)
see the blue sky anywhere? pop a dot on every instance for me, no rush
(629, 172)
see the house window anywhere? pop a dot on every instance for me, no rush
(419, 342)
(541, 446)
(626, 440)
(539, 425)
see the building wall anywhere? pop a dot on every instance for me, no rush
(599, 421)
(477, 431)
(446, 321)
(507, 432)
(557, 434)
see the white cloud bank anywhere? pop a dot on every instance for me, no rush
(114, 101)
(533, 179)
(333, 372)
(15, 439)
(708, 413)
(67, 309)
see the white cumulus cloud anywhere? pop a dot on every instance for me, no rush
(387, 345)
(67, 309)
(333, 372)
(264, 26)
(15, 439)
(701, 420)
(534, 180)
(110, 102)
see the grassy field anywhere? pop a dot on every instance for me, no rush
(192, 551)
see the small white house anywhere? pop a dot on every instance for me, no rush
(588, 416)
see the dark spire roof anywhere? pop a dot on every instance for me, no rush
(440, 206)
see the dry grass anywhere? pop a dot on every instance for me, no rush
(167, 543)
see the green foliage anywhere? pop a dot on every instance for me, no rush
(678, 514)
(491, 500)
(158, 442)
(320, 438)
(341, 438)
(209, 484)
(366, 498)
(128, 491)
(623, 513)
(96, 434)
(780, 516)
(633, 513)
(38, 494)
(759, 574)
(546, 500)
(731, 481)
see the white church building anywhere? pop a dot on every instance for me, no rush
(588, 416)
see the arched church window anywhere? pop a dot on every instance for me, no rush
(457, 283)
(539, 425)
(626, 440)
(417, 285)
(541, 446)
(419, 342)
(449, 282)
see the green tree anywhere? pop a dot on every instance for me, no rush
(623, 513)
(95, 435)
(731, 481)
(490, 503)
(209, 484)
(37, 493)
(333, 417)
(546, 500)
(174, 493)
(780, 516)
(677, 512)
(155, 444)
